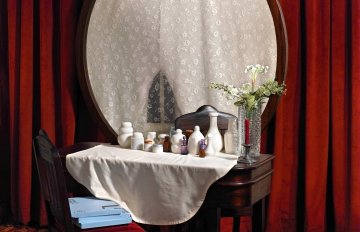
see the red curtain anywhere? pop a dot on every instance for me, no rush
(39, 88)
(316, 182)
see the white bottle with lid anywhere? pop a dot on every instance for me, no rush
(194, 139)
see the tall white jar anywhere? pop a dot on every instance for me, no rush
(217, 142)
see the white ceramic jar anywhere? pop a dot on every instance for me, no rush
(125, 133)
(137, 141)
(194, 139)
(217, 141)
(176, 142)
(151, 135)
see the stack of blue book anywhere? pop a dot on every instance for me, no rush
(91, 212)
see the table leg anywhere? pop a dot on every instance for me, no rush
(258, 218)
(207, 220)
(212, 220)
(236, 224)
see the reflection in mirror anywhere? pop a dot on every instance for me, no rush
(150, 61)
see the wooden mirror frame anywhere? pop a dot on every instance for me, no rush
(94, 109)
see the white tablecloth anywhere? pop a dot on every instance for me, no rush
(158, 189)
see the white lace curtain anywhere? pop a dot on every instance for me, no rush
(191, 42)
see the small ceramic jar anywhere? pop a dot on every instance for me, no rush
(157, 148)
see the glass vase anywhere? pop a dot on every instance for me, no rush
(249, 131)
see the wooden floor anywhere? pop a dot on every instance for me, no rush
(11, 228)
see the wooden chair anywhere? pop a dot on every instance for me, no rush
(55, 194)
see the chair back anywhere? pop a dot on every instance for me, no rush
(52, 182)
(202, 119)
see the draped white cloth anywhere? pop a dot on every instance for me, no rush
(158, 189)
(192, 42)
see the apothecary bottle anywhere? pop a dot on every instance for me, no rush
(184, 147)
(202, 148)
(167, 144)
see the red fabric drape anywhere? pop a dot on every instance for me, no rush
(316, 182)
(316, 179)
(38, 89)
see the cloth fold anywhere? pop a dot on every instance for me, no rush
(157, 189)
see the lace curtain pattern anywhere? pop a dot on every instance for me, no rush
(190, 42)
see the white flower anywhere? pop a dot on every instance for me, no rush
(247, 95)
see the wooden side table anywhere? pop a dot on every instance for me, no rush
(241, 192)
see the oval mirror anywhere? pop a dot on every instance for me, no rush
(150, 61)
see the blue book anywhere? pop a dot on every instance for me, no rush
(100, 221)
(90, 206)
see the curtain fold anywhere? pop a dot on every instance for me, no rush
(316, 182)
(353, 145)
(20, 37)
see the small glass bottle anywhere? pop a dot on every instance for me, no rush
(161, 138)
(167, 144)
(184, 148)
(202, 148)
